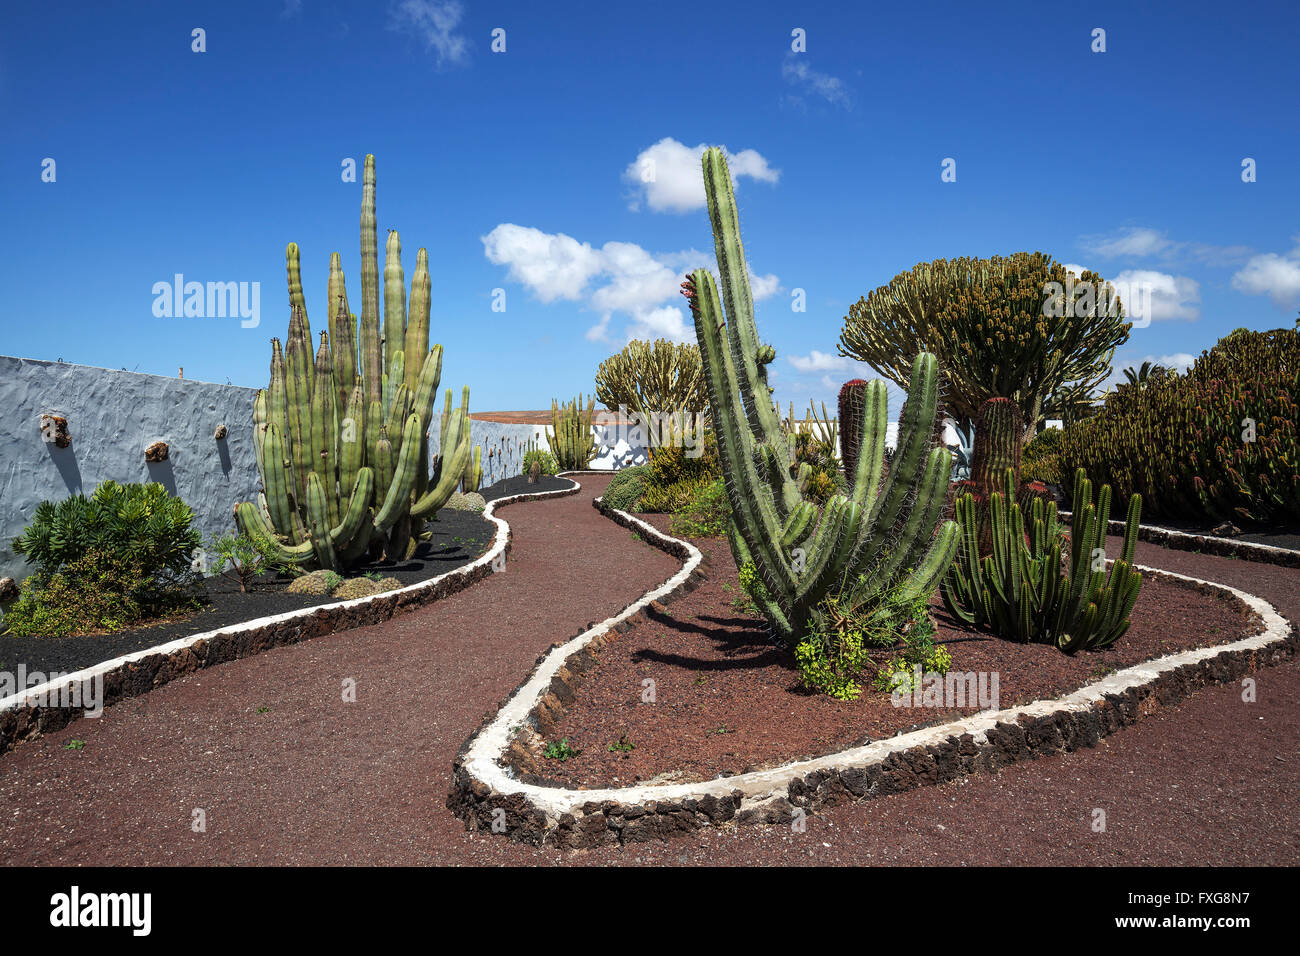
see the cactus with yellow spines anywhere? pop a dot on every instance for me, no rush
(342, 436)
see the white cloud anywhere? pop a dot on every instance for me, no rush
(1143, 242)
(797, 72)
(1075, 268)
(816, 361)
(1134, 241)
(1151, 296)
(1277, 276)
(619, 277)
(667, 175)
(553, 266)
(1181, 361)
(434, 22)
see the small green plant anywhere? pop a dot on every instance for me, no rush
(623, 745)
(718, 731)
(560, 750)
(883, 641)
(545, 461)
(75, 745)
(242, 558)
(373, 576)
(264, 709)
(705, 514)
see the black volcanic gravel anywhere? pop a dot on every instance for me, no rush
(458, 538)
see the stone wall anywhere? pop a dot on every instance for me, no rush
(112, 416)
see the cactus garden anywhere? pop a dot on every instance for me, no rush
(819, 501)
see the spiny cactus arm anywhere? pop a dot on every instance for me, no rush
(300, 371)
(798, 525)
(398, 493)
(416, 341)
(355, 518)
(1131, 527)
(275, 480)
(833, 545)
(872, 420)
(425, 392)
(757, 525)
(318, 523)
(915, 539)
(733, 274)
(915, 427)
(352, 437)
(296, 300)
(253, 523)
(963, 586)
(384, 462)
(323, 423)
(454, 451)
(343, 342)
(372, 367)
(766, 605)
(394, 306)
(398, 410)
(938, 558)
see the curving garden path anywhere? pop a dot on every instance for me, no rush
(286, 772)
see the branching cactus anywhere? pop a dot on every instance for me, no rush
(570, 434)
(1019, 591)
(880, 539)
(341, 437)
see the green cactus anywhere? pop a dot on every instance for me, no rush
(998, 430)
(1019, 591)
(342, 438)
(883, 537)
(472, 479)
(852, 400)
(569, 434)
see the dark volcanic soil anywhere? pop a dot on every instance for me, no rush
(728, 701)
(458, 538)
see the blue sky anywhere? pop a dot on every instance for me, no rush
(521, 170)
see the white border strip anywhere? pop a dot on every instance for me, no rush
(1248, 546)
(33, 696)
(482, 758)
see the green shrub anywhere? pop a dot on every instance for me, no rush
(1217, 443)
(140, 526)
(625, 489)
(95, 593)
(705, 514)
(544, 458)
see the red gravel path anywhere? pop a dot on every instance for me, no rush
(317, 781)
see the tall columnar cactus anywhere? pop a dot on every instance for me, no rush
(570, 434)
(853, 397)
(342, 437)
(998, 431)
(1020, 592)
(882, 538)
(472, 479)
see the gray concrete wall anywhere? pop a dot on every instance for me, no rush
(112, 416)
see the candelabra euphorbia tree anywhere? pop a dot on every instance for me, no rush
(888, 535)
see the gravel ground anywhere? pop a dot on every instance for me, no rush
(314, 780)
(728, 701)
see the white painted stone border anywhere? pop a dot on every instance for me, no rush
(482, 758)
(1247, 550)
(34, 697)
